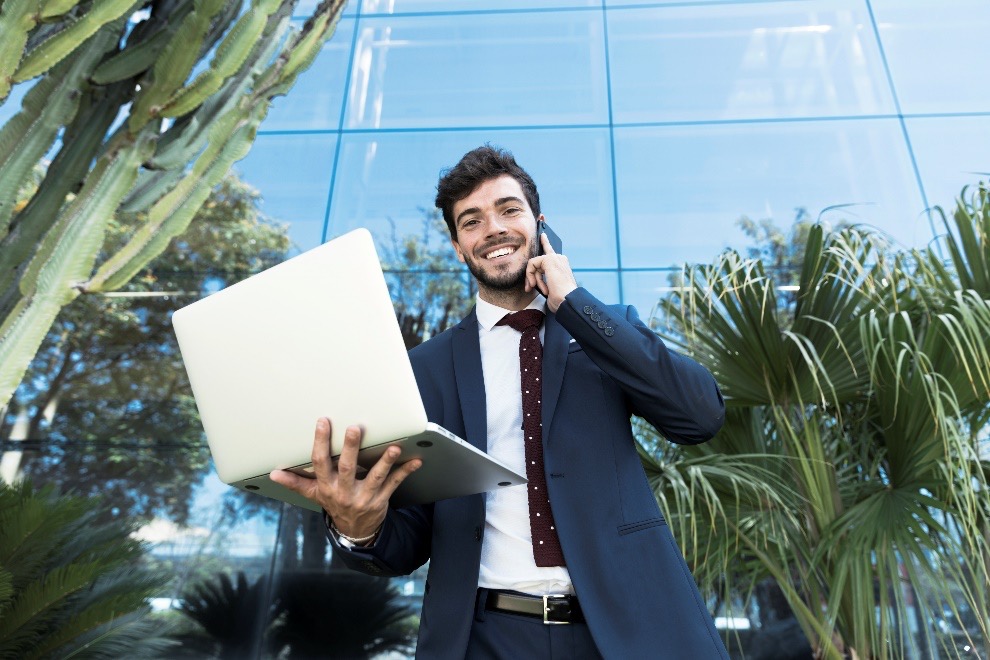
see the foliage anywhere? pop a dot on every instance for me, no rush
(235, 616)
(70, 586)
(109, 375)
(356, 616)
(146, 105)
(849, 468)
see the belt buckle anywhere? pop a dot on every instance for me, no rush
(546, 610)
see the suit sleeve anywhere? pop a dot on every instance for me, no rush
(674, 393)
(402, 546)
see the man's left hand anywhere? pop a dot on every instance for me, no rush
(551, 275)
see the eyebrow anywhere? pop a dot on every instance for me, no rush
(474, 209)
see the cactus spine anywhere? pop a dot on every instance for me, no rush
(90, 68)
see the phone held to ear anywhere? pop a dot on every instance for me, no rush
(543, 228)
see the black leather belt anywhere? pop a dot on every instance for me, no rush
(552, 608)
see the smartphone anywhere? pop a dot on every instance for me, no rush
(543, 228)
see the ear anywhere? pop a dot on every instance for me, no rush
(457, 249)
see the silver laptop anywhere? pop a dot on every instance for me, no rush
(311, 337)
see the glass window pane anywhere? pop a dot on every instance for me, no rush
(455, 6)
(314, 101)
(305, 8)
(741, 61)
(603, 285)
(952, 152)
(292, 172)
(682, 190)
(391, 179)
(642, 289)
(934, 52)
(653, 3)
(512, 70)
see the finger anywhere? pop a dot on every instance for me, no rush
(532, 275)
(297, 484)
(376, 475)
(397, 476)
(347, 465)
(547, 248)
(322, 465)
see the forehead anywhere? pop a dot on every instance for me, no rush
(490, 191)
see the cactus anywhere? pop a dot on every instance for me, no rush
(90, 67)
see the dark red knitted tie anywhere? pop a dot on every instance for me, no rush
(546, 544)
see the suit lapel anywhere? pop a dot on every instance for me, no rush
(555, 340)
(470, 381)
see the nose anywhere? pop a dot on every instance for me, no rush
(495, 225)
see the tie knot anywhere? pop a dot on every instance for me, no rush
(523, 320)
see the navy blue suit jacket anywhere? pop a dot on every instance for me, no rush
(634, 587)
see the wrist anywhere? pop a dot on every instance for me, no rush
(354, 541)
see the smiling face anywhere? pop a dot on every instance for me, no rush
(496, 236)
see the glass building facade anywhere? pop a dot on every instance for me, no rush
(650, 128)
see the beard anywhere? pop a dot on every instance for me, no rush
(501, 280)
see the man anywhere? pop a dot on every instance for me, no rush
(593, 551)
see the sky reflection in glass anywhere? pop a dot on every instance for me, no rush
(934, 50)
(447, 71)
(682, 190)
(786, 59)
(293, 174)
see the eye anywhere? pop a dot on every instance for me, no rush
(513, 210)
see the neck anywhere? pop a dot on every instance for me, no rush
(514, 299)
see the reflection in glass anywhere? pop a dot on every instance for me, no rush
(451, 6)
(682, 189)
(952, 152)
(444, 71)
(315, 101)
(644, 289)
(934, 51)
(741, 61)
(389, 180)
(293, 173)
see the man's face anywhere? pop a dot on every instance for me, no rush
(496, 234)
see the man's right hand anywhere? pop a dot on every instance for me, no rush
(357, 506)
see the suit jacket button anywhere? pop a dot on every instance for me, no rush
(588, 309)
(596, 317)
(602, 324)
(609, 331)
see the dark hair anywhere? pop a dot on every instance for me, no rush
(476, 167)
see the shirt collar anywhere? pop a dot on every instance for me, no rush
(489, 314)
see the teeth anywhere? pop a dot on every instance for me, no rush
(500, 252)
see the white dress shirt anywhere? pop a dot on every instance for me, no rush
(507, 549)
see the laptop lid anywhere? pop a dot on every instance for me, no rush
(313, 336)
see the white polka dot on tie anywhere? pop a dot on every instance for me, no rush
(541, 542)
(537, 515)
(551, 526)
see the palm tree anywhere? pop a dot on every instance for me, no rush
(71, 586)
(849, 468)
(311, 614)
(340, 614)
